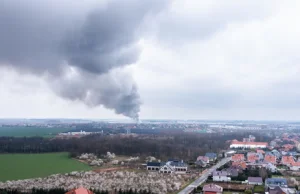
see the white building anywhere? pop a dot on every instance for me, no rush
(221, 176)
(248, 145)
(178, 167)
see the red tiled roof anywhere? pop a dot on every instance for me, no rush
(296, 164)
(239, 164)
(212, 188)
(287, 160)
(252, 158)
(270, 159)
(80, 190)
(238, 157)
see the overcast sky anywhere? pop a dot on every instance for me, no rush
(194, 59)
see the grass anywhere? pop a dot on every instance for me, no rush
(31, 131)
(23, 166)
(259, 189)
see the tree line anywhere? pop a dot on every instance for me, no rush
(63, 191)
(180, 146)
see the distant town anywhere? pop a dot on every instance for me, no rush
(164, 156)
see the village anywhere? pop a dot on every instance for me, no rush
(247, 166)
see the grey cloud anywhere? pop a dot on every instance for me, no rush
(115, 90)
(43, 40)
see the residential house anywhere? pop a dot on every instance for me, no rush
(255, 181)
(252, 157)
(260, 156)
(270, 159)
(273, 182)
(212, 189)
(240, 165)
(276, 153)
(287, 160)
(282, 190)
(174, 166)
(201, 163)
(238, 158)
(271, 167)
(232, 172)
(80, 190)
(212, 156)
(295, 166)
(221, 176)
(205, 159)
(153, 166)
(230, 153)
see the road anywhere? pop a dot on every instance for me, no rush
(203, 177)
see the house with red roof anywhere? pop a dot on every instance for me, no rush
(241, 165)
(204, 159)
(252, 158)
(295, 166)
(287, 160)
(80, 190)
(212, 189)
(270, 159)
(238, 157)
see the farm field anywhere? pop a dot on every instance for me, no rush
(23, 166)
(31, 131)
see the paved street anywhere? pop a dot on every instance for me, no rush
(203, 177)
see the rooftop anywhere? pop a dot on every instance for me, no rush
(80, 190)
(238, 157)
(276, 181)
(212, 188)
(153, 164)
(220, 173)
(202, 158)
(255, 179)
(270, 159)
(287, 160)
(211, 155)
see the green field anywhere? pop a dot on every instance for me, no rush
(23, 166)
(31, 131)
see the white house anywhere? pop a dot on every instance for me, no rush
(221, 176)
(178, 167)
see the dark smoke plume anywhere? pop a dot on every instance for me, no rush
(80, 47)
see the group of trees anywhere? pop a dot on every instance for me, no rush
(33, 191)
(253, 172)
(187, 146)
(63, 191)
